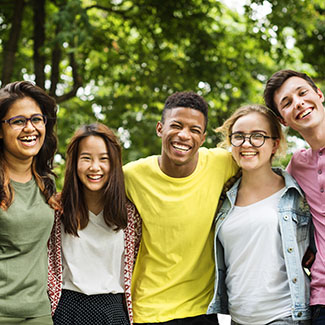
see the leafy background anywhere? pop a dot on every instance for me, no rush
(117, 61)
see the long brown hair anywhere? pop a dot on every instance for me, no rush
(42, 164)
(75, 209)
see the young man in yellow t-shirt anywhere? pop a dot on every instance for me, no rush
(176, 194)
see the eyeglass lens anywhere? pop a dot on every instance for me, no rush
(19, 122)
(255, 139)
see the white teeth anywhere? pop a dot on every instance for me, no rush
(248, 154)
(181, 147)
(28, 138)
(304, 113)
(94, 177)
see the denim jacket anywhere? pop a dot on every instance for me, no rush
(294, 222)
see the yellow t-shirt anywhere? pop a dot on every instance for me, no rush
(174, 273)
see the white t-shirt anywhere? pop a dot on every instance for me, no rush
(257, 282)
(93, 262)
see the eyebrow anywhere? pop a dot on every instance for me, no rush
(90, 154)
(254, 131)
(192, 126)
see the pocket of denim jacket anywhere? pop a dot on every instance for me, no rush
(302, 223)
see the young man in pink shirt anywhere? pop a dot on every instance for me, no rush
(298, 102)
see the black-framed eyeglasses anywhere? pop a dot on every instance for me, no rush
(256, 139)
(19, 122)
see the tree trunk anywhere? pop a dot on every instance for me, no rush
(55, 71)
(10, 48)
(39, 39)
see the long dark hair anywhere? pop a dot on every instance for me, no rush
(42, 164)
(75, 209)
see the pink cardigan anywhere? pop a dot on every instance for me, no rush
(132, 237)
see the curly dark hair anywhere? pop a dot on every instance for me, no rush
(75, 210)
(276, 81)
(187, 99)
(43, 162)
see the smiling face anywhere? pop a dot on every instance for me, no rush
(300, 105)
(247, 156)
(24, 144)
(182, 134)
(93, 164)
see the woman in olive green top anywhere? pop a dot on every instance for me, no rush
(27, 147)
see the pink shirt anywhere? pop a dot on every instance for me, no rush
(308, 168)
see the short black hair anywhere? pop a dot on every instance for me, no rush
(187, 99)
(276, 81)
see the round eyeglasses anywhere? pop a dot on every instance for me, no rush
(19, 122)
(255, 139)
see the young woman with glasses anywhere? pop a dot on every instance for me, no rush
(262, 229)
(27, 147)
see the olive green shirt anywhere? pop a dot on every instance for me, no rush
(24, 231)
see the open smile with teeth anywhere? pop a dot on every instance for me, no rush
(304, 113)
(28, 138)
(94, 177)
(181, 147)
(248, 154)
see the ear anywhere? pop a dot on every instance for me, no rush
(203, 138)
(320, 94)
(276, 144)
(159, 127)
(282, 121)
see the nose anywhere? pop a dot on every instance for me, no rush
(184, 133)
(246, 142)
(94, 165)
(298, 102)
(29, 125)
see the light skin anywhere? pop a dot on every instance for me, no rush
(182, 134)
(258, 180)
(20, 146)
(301, 108)
(93, 170)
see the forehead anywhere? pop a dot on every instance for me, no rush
(185, 115)
(93, 145)
(290, 86)
(251, 122)
(24, 106)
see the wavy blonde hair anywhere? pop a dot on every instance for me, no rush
(274, 123)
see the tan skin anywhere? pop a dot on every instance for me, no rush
(19, 154)
(93, 160)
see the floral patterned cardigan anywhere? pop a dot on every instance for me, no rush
(132, 237)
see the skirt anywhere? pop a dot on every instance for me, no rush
(76, 308)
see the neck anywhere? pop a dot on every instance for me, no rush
(177, 171)
(257, 185)
(259, 176)
(94, 201)
(19, 171)
(315, 137)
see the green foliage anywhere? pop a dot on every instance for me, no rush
(131, 55)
